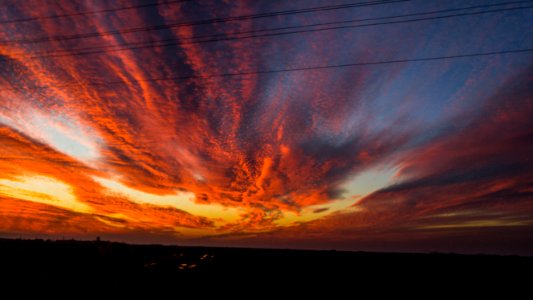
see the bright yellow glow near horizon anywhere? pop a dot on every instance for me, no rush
(43, 189)
(355, 189)
(181, 200)
(478, 224)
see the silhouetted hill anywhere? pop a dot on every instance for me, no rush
(110, 263)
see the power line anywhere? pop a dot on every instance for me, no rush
(116, 48)
(297, 69)
(202, 22)
(93, 12)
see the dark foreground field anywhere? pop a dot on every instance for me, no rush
(92, 264)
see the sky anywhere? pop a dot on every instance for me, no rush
(247, 124)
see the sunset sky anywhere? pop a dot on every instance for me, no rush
(295, 124)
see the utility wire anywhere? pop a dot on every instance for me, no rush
(274, 71)
(225, 37)
(93, 12)
(194, 23)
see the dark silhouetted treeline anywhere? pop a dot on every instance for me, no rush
(102, 263)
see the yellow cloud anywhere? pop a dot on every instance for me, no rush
(43, 189)
(181, 200)
(478, 224)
